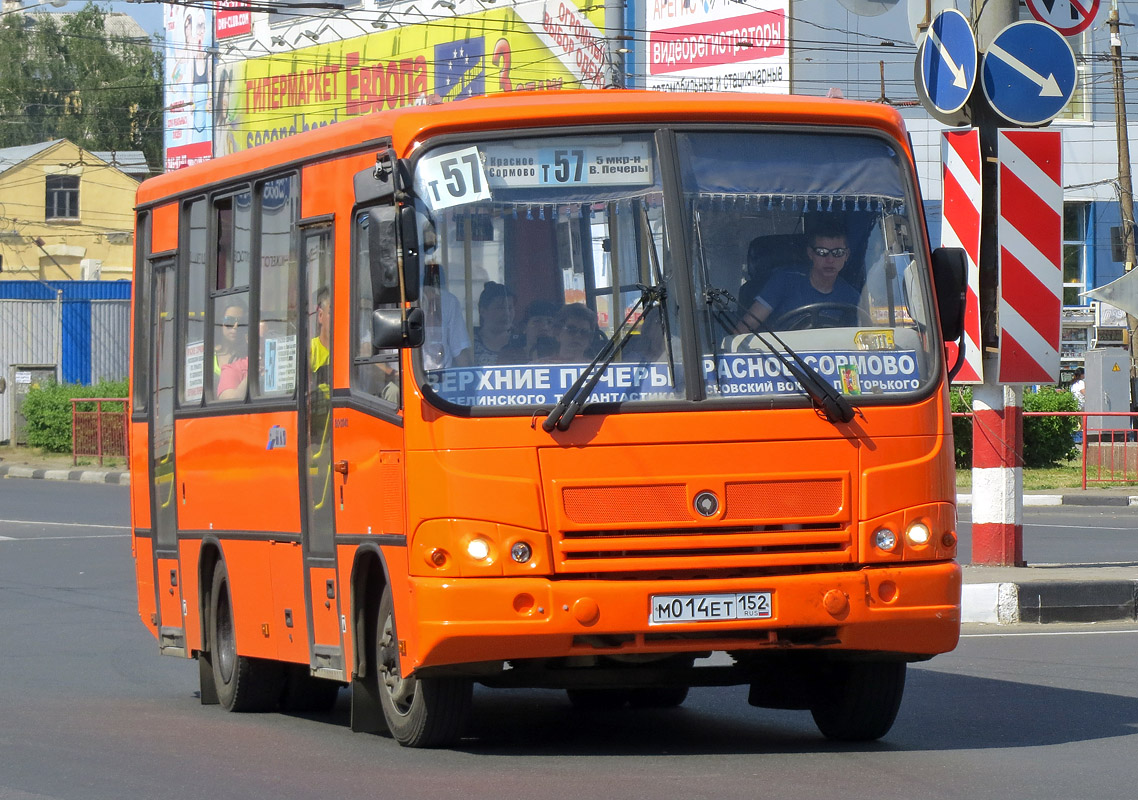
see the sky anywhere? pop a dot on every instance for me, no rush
(148, 14)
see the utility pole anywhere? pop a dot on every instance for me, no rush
(1125, 190)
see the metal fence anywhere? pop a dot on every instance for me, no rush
(1108, 449)
(98, 427)
(81, 341)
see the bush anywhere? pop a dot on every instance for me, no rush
(1046, 440)
(47, 409)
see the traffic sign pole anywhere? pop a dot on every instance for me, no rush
(997, 421)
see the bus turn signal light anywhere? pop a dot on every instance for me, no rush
(438, 557)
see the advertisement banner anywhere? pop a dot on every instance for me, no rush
(189, 76)
(233, 18)
(717, 45)
(268, 98)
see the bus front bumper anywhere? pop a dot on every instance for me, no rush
(910, 610)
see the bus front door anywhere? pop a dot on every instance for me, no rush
(321, 592)
(162, 473)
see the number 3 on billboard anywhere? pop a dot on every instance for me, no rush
(452, 179)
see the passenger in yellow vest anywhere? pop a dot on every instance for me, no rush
(319, 349)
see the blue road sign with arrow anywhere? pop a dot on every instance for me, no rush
(948, 61)
(1028, 73)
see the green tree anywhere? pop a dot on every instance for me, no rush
(63, 77)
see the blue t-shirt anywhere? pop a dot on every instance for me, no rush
(788, 289)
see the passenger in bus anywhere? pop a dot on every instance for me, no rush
(648, 343)
(495, 322)
(788, 290)
(231, 353)
(445, 342)
(577, 333)
(532, 339)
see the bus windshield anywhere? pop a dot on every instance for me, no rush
(662, 253)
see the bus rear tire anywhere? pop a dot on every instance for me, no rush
(243, 683)
(861, 700)
(420, 712)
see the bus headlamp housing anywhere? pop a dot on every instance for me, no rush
(478, 549)
(920, 533)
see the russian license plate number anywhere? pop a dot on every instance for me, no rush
(709, 607)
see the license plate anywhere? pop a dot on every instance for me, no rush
(709, 607)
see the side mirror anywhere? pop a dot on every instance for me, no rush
(409, 234)
(383, 261)
(950, 274)
(389, 328)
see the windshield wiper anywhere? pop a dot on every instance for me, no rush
(832, 404)
(570, 403)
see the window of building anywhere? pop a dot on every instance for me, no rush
(1074, 253)
(62, 201)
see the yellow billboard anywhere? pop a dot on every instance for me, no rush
(548, 44)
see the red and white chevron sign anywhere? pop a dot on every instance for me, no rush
(1030, 232)
(960, 151)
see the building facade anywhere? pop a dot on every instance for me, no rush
(67, 213)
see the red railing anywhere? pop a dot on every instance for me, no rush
(98, 432)
(1109, 455)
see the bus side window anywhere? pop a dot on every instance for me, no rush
(232, 251)
(278, 308)
(375, 372)
(194, 247)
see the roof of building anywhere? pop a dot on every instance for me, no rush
(131, 162)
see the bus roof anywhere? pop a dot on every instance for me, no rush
(526, 109)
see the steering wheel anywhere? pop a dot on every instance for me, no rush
(821, 315)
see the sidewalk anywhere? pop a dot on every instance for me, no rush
(995, 595)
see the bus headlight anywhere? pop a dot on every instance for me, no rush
(478, 549)
(521, 552)
(885, 539)
(918, 534)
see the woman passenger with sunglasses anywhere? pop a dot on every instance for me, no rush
(788, 289)
(577, 334)
(231, 353)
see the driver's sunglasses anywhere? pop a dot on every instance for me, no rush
(823, 252)
(230, 321)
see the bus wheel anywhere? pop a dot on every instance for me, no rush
(658, 697)
(420, 712)
(860, 700)
(598, 699)
(243, 684)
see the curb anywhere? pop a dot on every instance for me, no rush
(121, 478)
(1049, 601)
(1082, 499)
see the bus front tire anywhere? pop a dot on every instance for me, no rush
(420, 712)
(860, 701)
(243, 683)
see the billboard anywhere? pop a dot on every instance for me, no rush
(522, 47)
(233, 18)
(188, 77)
(716, 45)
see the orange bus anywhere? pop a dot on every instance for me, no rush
(612, 392)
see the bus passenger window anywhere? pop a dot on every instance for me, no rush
(230, 297)
(375, 372)
(278, 315)
(194, 248)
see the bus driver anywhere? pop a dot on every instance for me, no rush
(788, 290)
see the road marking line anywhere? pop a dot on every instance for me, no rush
(1040, 633)
(62, 524)
(57, 538)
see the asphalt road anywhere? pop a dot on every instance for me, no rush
(89, 710)
(1068, 534)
